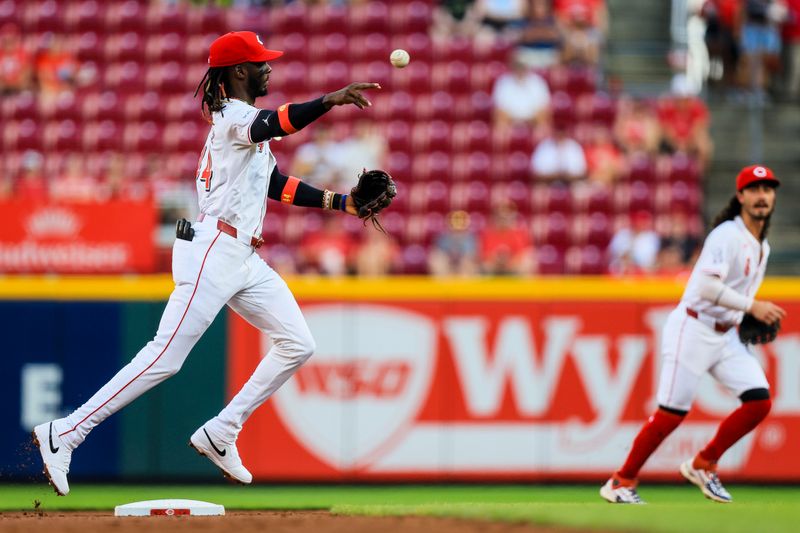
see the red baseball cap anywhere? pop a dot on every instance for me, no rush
(239, 47)
(753, 174)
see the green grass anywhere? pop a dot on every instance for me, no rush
(671, 508)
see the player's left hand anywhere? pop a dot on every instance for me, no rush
(350, 206)
(350, 95)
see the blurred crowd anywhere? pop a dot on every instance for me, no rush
(754, 47)
(578, 143)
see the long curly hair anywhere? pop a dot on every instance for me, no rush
(734, 209)
(213, 87)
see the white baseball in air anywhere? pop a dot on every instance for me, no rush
(399, 58)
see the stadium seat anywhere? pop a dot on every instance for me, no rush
(430, 196)
(550, 260)
(598, 230)
(90, 47)
(328, 18)
(414, 260)
(641, 168)
(24, 106)
(683, 168)
(557, 230)
(25, 136)
(418, 45)
(164, 18)
(435, 106)
(89, 17)
(514, 192)
(66, 137)
(46, 16)
(586, 260)
(9, 13)
(481, 105)
(126, 16)
(398, 136)
(559, 199)
(431, 136)
(294, 77)
(399, 166)
(434, 165)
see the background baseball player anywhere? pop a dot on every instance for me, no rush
(214, 263)
(700, 336)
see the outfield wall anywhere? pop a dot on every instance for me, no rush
(413, 379)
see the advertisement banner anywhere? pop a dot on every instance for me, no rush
(476, 388)
(109, 237)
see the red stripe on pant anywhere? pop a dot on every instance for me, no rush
(196, 285)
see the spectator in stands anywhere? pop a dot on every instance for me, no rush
(582, 40)
(328, 251)
(669, 261)
(603, 159)
(679, 236)
(501, 18)
(558, 157)
(636, 128)
(595, 12)
(520, 96)
(684, 121)
(505, 245)
(117, 185)
(56, 68)
(377, 254)
(540, 40)
(367, 148)
(722, 22)
(791, 41)
(318, 160)
(455, 17)
(15, 70)
(761, 44)
(31, 186)
(455, 251)
(634, 249)
(75, 184)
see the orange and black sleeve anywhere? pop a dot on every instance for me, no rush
(291, 190)
(287, 119)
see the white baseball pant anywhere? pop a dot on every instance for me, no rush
(210, 271)
(690, 348)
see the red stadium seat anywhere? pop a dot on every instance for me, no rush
(370, 47)
(603, 109)
(414, 260)
(89, 16)
(481, 105)
(550, 260)
(294, 77)
(25, 136)
(434, 165)
(411, 17)
(640, 197)
(294, 47)
(90, 47)
(563, 108)
(127, 16)
(164, 18)
(24, 106)
(586, 260)
(46, 16)
(641, 168)
(129, 46)
(683, 168)
(327, 18)
(67, 137)
(333, 47)
(9, 13)
(598, 230)
(399, 166)
(515, 192)
(429, 196)
(557, 231)
(559, 199)
(418, 45)
(398, 136)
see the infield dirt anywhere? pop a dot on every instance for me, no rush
(243, 521)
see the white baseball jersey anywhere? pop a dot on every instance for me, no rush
(733, 254)
(233, 172)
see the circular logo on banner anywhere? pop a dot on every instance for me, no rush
(760, 172)
(358, 395)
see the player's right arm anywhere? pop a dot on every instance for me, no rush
(719, 252)
(290, 118)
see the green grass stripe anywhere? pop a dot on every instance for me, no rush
(671, 509)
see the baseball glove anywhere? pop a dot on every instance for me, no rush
(754, 331)
(372, 194)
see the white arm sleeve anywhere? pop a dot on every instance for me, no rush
(714, 290)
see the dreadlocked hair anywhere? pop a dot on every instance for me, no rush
(734, 209)
(213, 87)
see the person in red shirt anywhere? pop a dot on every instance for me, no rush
(505, 245)
(328, 251)
(31, 185)
(684, 122)
(56, 68)
(15, 71)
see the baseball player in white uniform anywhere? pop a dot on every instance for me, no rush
(700, 336)
(214, 263)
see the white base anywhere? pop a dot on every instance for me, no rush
(169, 507)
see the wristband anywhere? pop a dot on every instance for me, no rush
(343, 202)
